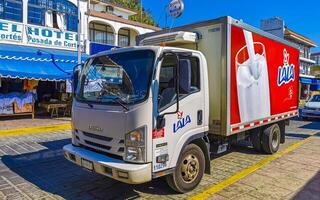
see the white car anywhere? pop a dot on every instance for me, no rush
(312, 107)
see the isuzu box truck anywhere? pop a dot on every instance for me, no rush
(161, 108)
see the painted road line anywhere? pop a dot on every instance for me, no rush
(225, 183)
(32, 130)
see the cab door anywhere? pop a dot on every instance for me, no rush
(180, 107)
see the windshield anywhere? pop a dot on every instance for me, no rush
(315, 98)
(120, 77)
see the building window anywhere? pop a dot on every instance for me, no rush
(101, 33)
(55, 19)
(11, 10)
(124, 38)
(60, 14)
(109, 9)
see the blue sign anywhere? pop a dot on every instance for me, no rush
(285, 72)
(181, 123)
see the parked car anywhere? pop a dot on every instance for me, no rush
(312, 107)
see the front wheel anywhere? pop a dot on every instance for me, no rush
(189, 170)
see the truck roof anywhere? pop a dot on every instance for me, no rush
(150, 47)
(125, 49)
(224, 19)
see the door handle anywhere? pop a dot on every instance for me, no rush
(199, 117)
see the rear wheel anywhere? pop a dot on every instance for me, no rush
(189, 170)
(271, 139)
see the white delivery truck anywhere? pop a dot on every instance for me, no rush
(161, 108)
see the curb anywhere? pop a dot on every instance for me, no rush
(32, 130)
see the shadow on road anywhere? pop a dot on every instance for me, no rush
(314, 125)
(310, 189)
(51, 172)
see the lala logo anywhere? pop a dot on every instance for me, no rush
(182, 121)
(285, 72)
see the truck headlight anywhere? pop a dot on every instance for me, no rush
(135, 146)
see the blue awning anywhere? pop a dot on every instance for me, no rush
(36, 63)
(98, 47)
(305, 80)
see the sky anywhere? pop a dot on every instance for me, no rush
(301, 16)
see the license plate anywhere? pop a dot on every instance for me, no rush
(87, 164)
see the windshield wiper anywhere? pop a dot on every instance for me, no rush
(117, 99)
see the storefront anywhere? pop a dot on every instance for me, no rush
(33, 78)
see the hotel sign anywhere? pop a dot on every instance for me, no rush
(11, 32)
(37, 35)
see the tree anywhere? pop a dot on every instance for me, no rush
(315, 70)
(136, 6)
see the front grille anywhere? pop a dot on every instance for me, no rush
(102, 143)
(102, 152)
(98, 145)
(99, 137)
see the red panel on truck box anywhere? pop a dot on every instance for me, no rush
(264, 77)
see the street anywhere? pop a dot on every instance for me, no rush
(33, 167)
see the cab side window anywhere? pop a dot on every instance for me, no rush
(167, 81)
(189, 79)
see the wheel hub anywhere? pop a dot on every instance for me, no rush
(190, 168)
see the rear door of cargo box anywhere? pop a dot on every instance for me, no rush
(264, 78)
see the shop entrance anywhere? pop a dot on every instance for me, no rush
(35, 97)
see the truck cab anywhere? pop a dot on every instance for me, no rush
(136, 109)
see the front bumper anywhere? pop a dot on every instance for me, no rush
(113, 168)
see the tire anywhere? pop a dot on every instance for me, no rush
(192, 161)
(255, 138)
(271, 139)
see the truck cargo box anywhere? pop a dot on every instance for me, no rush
(253, 75)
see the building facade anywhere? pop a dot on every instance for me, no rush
(316, 58)
(39, 43)
(308, 83)
(53, 24)
(109, 26)
(277, 27)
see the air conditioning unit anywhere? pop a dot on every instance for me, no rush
(180, 37)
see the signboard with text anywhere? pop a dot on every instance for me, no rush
(12, 32)
(37, 35)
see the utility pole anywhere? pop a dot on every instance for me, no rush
(141, 11)
(79, 33)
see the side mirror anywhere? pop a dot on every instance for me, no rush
(75, 80)
(75, 77)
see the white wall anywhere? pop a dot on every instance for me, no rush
(116, 11)
(116, 26)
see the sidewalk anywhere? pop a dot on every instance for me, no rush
(295, 175)
(10, 124)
